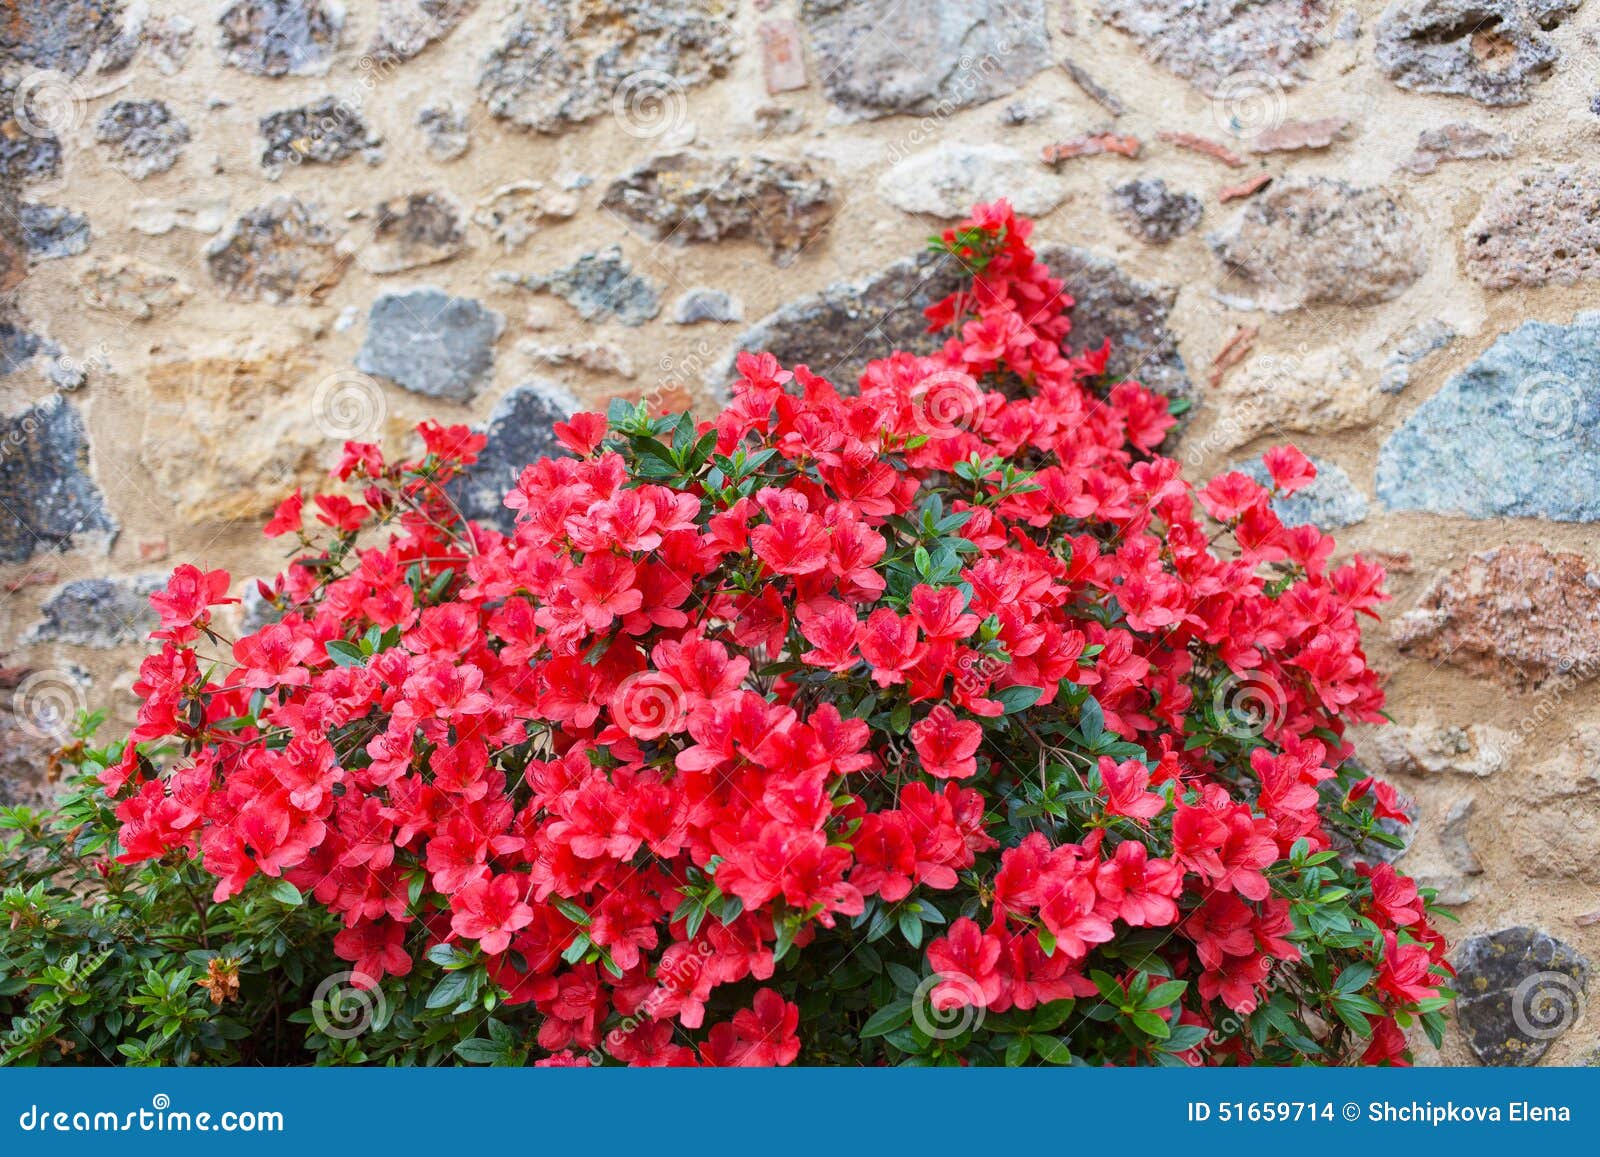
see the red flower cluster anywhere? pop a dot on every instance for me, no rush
(730, 684)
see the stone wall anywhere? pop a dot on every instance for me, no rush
(233, 235)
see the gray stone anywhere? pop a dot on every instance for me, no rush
(600, 286)
(1538, 227)
(102, 613)
(1514, 435)
(771, 120)
(520, 432)
(1227, 49)
(1493, 51)
(168, 40)
(29, 147)
(1451, 889)
(948, 179)
(701, 304)
(30, 702)
(281, 37)
(1457, 142)
(1132, 315)
(1151, 211)
(255, 611)
(409, 232)
(431, 343)
(447, 129)
(64, 373)
(118, 54)
(565, 62)
(1428, 751)
(49, 498)
(839, 329)
(1330, 502)
(324, 132)
(144, 136)
(513, 213)
(60, 35)
(1017, 113)
(1315, 242)
(1517, 990)
(684, 197)
(879, 57)
(1453, 838)
(406, 27)
(282, 251)
(131, 287)
(19, 346)
(50, 231)
(1092, 88)
(13, 243)
(1416, 345)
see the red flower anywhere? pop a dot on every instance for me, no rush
(287, 518)
(968, 964)
(889, 645)
(1125, 785)
(664, 720)
(489, 910)
(581, 433)
(758, 1037)
(793, 543)
(1138, 890)
(1406, 970)
(376, 948)
(1290, 470)
(186, 603)
(340, 513)
(945, 745)
(1394, 898)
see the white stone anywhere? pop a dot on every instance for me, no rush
(946, 181)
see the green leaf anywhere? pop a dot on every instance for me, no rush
(477, 1051)
(904, 978)
(1017, 1052)
(344, 654)
(1091, 720)
(1151, 1024)
(286, 893)
(577, 950)
(450, 990)
(1351, 1016)
(1018, 698)
(1162, 995)
(571, 911)
(1185, 1037)
(1049, 1017)
(911, 928)
(1052, 1050)
(887, 1019)
(1354, 977)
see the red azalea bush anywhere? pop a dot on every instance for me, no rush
(930, 724)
